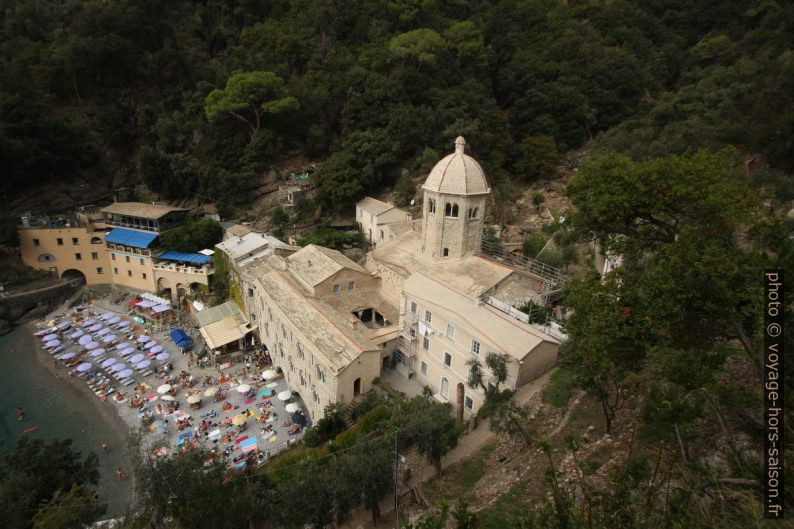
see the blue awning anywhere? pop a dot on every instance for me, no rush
(194, 258)
(181, 339)
(134, 238)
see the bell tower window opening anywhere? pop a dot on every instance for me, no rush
(451, 210)
(431, 206)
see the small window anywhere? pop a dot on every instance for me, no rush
(423, 368)
(351, 285)
(144, 275)
(468, 403)
(36, 242)
(336, 289)
(445, 388)
(127, 258)
(116, 271)
(250, 292)
(96, 240)
(381, 235)
(428, 316)
(129, 273)
(78, 256)
(75, 241)
(413, 307)
(412, 331)
(59, 241)
(447, 359)
(475, 347)
(112, 257)
(99, 270)
(431, 206)
(446, 252)
(94, 256)
(450, 331)
(142, 261)
(425, 343)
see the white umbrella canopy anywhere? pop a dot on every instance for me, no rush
(211, 392)
(269, 374)
(168, 398)
(292, 407)
(285, 395)
(165, 388)
(194, 399)
(243, 388)
(239, 420)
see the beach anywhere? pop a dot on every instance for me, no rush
(60, 409)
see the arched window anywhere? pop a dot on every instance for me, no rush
(473, 213)
(431, 206)
(445, 388)
(454, 211)
(96, 240)
(45, 257)
(448, 210)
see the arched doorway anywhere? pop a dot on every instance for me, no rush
(163, 287)
(73, 274)
(357, 387)
(459, 402)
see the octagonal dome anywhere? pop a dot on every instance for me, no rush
(457, 174)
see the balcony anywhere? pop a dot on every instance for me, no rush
(190, 270)
(408, 326)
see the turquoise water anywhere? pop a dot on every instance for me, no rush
(59, 410)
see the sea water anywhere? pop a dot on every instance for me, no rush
(59, 410)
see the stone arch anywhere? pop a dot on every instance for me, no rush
(46, 258)
(96, 240)
(72, 274)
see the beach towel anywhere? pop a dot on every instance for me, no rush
(241, 439)
(273, 439)
(150, 396)
(249, 401)
(227, 365)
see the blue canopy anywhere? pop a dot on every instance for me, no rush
(195, 258)
(181, 338)
(134, 238)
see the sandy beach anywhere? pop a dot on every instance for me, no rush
(234, 412)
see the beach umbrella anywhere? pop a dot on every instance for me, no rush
(292, 407)
(103, 331)
(60, 355)
(137, 358)
(85, 366)
(52, 343)
(122, 346)
(269, 374)
(243, 388)
(194, 399)
(76, 334)
(284, 395)
(106, 316)
(126, 373)
(211, 392)
(150, 345)
(123, 324)
(109, 338)
(157, 349)
(91, 345)
(165, 388)
(127, 351)
(144, 364)
(162, 357)
(68, 356)
(94, 328)
(84, 339)
(118, 367)
(168, 398)
(89, 322)
(114, 320)
(143, 338)
(107, 362)
(239, 420)
(50, 337)
(64, 325)
(96, 352)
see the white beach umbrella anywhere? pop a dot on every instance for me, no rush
(285, 395)
(165, 388)
(269, 374)
(292, 407)
(243, 388)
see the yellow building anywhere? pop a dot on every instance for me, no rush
(116, 245)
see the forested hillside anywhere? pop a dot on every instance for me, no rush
(197, 98)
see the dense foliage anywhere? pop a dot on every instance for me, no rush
(204, 96)
(194, 235)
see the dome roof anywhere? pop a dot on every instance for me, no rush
(457, 174)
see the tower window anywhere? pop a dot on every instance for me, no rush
(473, 213)
(446, 252)
(431, 206)
(451, 210)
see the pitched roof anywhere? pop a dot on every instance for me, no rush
(140, 209)
(219, 312)
(314, 264)
(224, 331)
(249, 244)
(373, 205)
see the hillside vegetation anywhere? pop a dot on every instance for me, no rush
(197, 99)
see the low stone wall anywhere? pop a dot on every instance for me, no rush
(24, 306)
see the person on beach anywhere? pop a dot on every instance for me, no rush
(104, 447)
(20, 414)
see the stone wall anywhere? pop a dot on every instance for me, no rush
(25, 306)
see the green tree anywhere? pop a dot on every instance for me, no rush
(538, 158)
(422, 46)
(512, 419)
(497, 364)
(538, 199)
(533, 243)
(76, 508)
(434, 433)
(249, 97)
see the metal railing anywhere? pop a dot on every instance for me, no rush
(552, 277)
